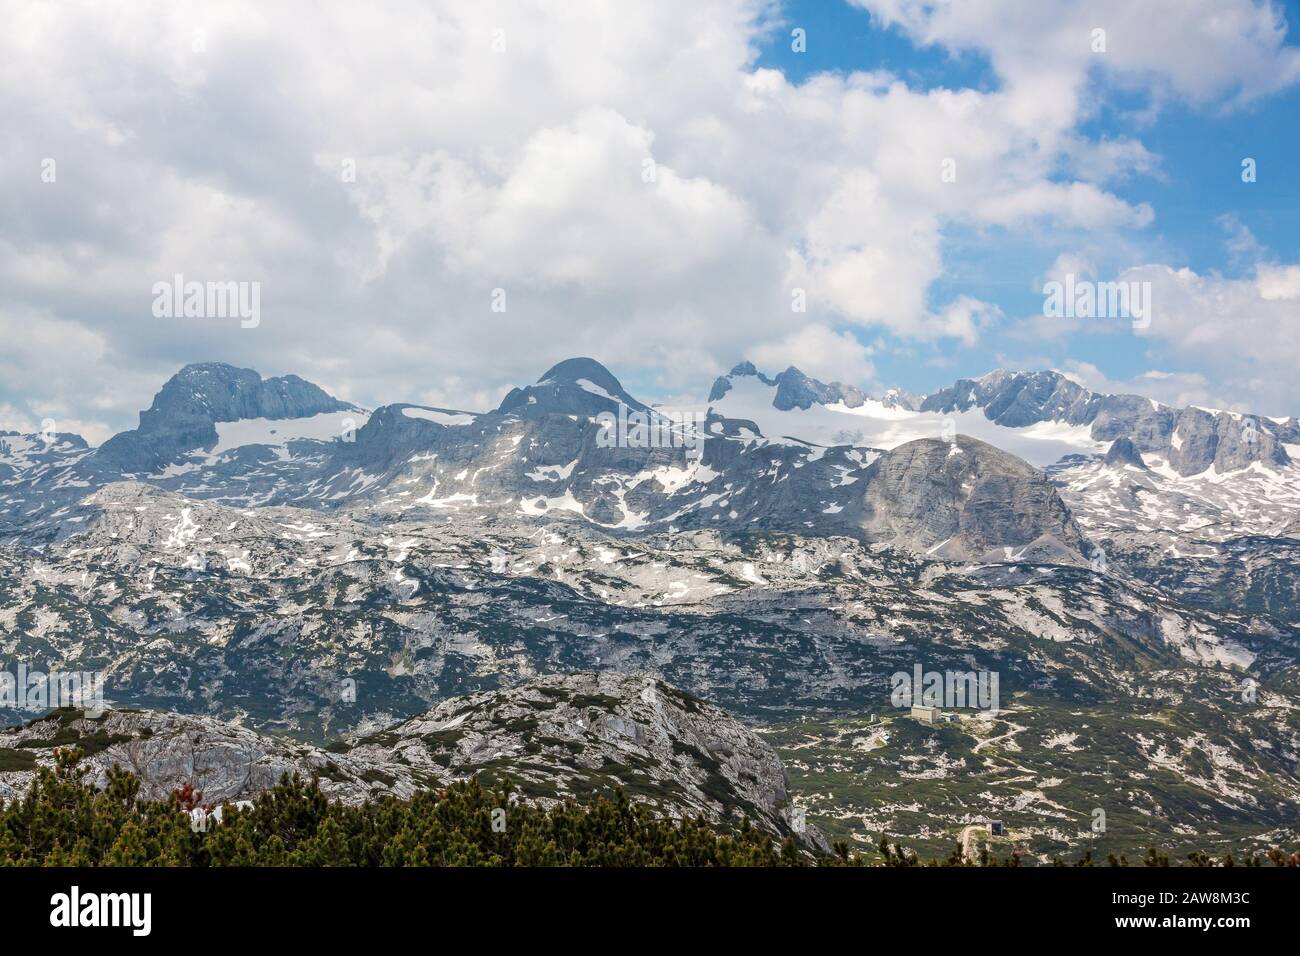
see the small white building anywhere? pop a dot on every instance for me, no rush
(927, 715)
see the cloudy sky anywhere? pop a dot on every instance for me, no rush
(657, 185)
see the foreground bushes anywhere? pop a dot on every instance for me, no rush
(63, 821)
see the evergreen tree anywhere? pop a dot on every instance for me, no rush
(63, 821)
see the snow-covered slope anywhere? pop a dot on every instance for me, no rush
(877, 424)
(1156, 500)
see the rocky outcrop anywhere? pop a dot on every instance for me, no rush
(572, 736)
(579, 735)
(1225, 441)
(166, 751)
(1122, 452)
(185, 411)
(966, 500)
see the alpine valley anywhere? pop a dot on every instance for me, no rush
(704, 609)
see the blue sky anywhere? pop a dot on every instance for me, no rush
(1196, 190)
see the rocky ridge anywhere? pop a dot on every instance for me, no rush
(555, 738)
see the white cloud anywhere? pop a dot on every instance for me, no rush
(1074, 204)
(965, 317)
(1201, 50)
(1177, 389)
(820, 352)
(1278, 283)
(523, 169)
(1245, 332)
(584, 203)
(1068, 263)
(1108, 160)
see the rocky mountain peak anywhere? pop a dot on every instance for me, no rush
(965, 499)
(220, 392)
(797, 390)
(1190, 439)
(1123, 452)
(576, 386)
(577, 370)
(794, 389)
(901, 398)
(1016, 399)
(746, 369)
(184, 413)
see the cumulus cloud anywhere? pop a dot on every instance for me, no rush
(1245, 331)
(1201, 50)
(1177, 389)
(623, 173)
(820, 352)
(584, 204)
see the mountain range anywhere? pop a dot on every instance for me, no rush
(264, 557)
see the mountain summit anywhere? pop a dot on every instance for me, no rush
(186, 410)
(1190, 440)
(794, 389)
(576, 386)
